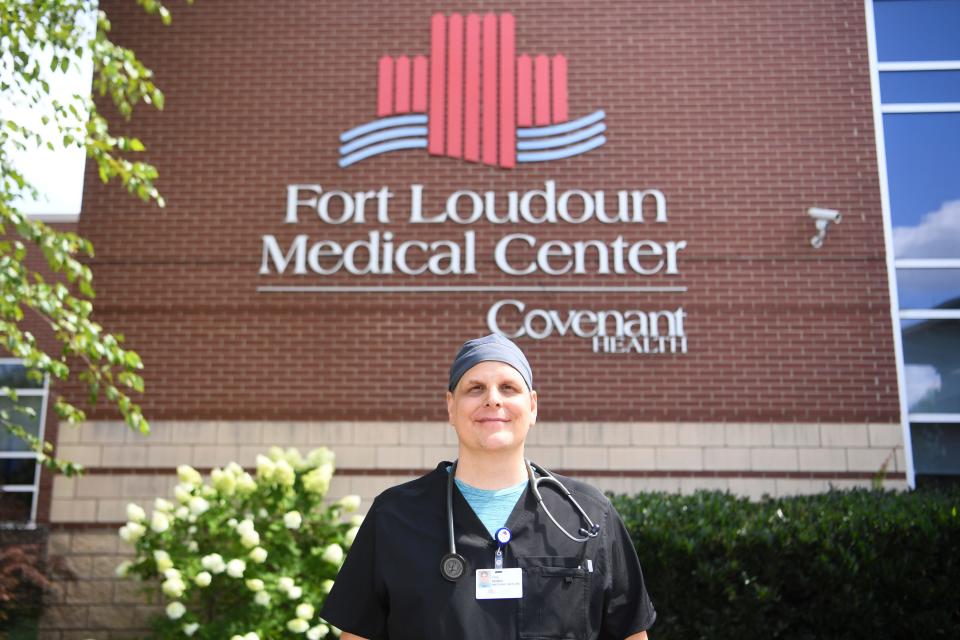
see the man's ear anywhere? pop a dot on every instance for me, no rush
(449, 407)
(533, 406)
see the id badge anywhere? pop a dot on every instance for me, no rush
(495, 584)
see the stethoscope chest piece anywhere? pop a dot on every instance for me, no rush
(453, 566)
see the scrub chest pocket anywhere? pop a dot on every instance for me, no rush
(556, 591)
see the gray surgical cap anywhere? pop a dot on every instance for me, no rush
(489, 348)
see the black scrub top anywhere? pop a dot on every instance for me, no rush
(390, 586)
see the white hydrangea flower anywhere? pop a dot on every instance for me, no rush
(255, 585)
(132, 531)
(181, 513)
(123, 569)
(249, 538)
(295, 593)
(189, 475)
(318, 480)
(192, 546)
(203, 579)
(265, 468)
(183, 493)
(350, 503)
(198, 505)
(213, 563)
(317, 632)
(162, 505)
(246, 484)
(173, 587)
(356, 520)
(292, 520)
(297, 625)
(262, 598)
(235, 568)
(321, 456)
(159, 522)
(259, 555)
(207, 491)
(284, 473)
(284, 584)
(292, 455)
(350, 536)
(326, 586)
(135, 513)
(233, 469)
(305, 611)
(333, 554)
(172, 573)
(251, 636)
(190, 629)
(175, 610)
(162, 558)
(223, 481)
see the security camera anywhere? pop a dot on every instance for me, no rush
(828, 215)
(822, 218)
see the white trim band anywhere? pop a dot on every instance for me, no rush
(921, 107)
(935, 417)
(927, 263)
(920, 65)
(930, 314)
(468, 289)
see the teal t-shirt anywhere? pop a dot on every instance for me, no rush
(492, 506)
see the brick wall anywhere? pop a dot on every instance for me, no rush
(742, 114)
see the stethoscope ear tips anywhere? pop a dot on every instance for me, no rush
(593, 532)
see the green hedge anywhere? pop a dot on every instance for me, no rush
(843, 564)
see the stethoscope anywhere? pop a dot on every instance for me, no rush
(453, 565)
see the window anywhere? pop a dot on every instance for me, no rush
(915, 62)
(19, 471)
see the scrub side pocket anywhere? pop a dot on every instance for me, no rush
(555, 595)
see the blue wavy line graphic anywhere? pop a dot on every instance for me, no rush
(383, 123)
(383, 147)
(561, 141)
(380, 136)
(566, 127)
(538, 144)
(566, 152)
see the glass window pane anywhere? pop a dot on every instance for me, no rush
(936, 448)
(32, 424)
(15, 377)
(928, 288)
(920, 86)
(923, 168)
(15, 506)
(917, 29)
(16, 471)
(931, 355)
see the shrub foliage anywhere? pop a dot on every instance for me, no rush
(244, 557)
(856, 564)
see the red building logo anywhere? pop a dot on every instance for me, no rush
(474, 99)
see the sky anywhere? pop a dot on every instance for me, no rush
(57, 174)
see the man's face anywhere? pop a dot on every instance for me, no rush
(491, 408)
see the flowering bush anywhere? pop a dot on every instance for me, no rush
(244, 557)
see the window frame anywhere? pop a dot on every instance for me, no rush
(34, 488)
(893, 264)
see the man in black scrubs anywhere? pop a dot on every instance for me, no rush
(577, 578)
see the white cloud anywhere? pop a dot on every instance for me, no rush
(937, 235)
(922, 380)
